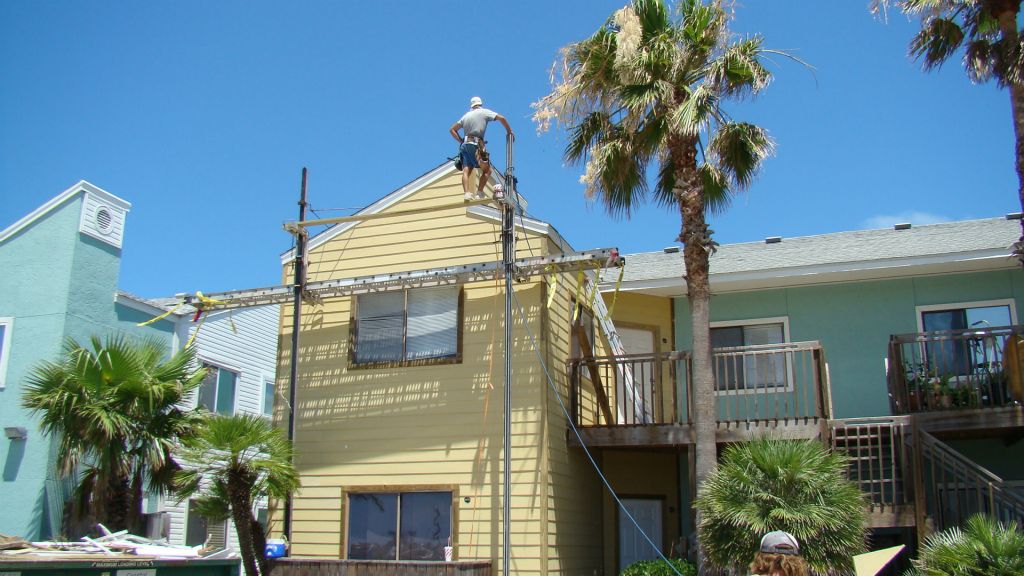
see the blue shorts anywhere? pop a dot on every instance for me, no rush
(468, 154)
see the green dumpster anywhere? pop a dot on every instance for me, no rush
(101, 566)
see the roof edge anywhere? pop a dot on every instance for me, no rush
(55, 202)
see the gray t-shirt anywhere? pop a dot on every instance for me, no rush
(474, 122)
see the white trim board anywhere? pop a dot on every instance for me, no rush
(81, 187)
(382, 204)
(1010, 302)
(5, 348)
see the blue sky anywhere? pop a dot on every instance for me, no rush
(202, 115)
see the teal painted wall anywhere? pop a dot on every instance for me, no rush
(853, 322)
(58, 283)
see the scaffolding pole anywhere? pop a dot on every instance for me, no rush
(300, 284)
(508, 245)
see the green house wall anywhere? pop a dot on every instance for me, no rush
(57, 284)
(853, 322)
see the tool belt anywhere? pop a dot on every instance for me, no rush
(481, 149)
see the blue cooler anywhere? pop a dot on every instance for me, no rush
(275, 548)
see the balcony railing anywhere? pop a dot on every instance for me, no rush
(880, 459)
(765, 383)
(960, 488)
(953, 369)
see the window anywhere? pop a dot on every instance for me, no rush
(199, 530)
(268, 396)
(217, 392)
(407, 326)
(399, 525)
(5, 346)
(749, 372)
(960, 355)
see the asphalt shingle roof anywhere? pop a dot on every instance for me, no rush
(837, 248)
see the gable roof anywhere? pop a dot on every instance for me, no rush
(53, 203)
(445, 169)
(856, 255)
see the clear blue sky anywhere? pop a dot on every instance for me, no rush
(202, 114)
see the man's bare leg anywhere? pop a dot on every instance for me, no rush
(465, 181)
(485, 172)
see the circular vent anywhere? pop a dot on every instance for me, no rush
(104, 220)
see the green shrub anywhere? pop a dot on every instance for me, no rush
(660, 568)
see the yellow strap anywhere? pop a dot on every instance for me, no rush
(206, 300)
(579, 290)
(615, 295)
(593, 295)
(554, 287)
(192, 338)
(162, 316)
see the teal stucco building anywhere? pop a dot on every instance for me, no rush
(61, 265)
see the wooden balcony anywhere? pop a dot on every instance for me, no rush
(646, 399)
(955, 370)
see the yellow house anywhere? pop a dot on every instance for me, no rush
(399, 397)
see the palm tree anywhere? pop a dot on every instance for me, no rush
(987, 30)
(233, 461)
(796, 486)
(647, 88)
(984, 547)
(115, 409)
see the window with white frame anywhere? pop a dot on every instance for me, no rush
(268, 396)
(399, 525)
(407, 326)
(739, 370)
(217, 392)
(961, 353)
(5, 347)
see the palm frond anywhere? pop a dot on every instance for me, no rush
(938, 39)
(738, 149)
(796, 486)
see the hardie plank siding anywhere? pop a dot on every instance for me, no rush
(245, 342)
(440, 426)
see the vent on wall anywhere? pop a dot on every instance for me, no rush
(102, 218)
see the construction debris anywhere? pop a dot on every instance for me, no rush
(110, 545)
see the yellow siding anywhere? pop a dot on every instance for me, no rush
(441, 426)
(573, 502)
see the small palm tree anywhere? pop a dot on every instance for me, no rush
(116, 410)
(796, 486)
(984, 547)
(648, 88)
(989, 34)
(233, 461)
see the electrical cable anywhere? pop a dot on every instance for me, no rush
(579, 437)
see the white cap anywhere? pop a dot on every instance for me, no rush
(475, 101)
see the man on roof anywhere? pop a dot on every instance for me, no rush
(472, 147)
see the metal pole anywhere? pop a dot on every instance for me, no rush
(299, 287)
(508, 256)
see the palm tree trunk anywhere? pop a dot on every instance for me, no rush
(696, 240)
(1007, 16)
(239, 490)
(119, 499)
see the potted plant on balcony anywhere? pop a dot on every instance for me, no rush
(964, 396)
(942, 392)
(916, 381)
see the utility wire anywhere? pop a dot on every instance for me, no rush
(586, 450)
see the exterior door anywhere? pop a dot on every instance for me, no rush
(637, 386)
(632, 545)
